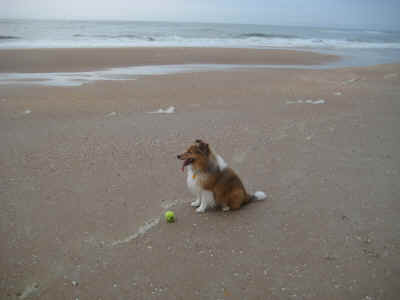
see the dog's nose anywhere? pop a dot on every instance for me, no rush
(178, 157)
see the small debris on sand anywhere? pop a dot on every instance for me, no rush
(169, 110)
(111, 114)
(308, 101)
(350, 81)
(320, 101)
(390, 76)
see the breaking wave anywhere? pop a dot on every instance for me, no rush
(266, 35)
(118, 36)
(9, 37)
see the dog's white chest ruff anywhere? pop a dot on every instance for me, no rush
(192, 181)
(204, 198)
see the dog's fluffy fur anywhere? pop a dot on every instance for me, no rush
(211, 180)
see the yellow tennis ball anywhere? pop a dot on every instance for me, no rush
(170, 216)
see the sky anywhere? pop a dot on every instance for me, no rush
(381, 14)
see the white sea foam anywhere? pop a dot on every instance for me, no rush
(320, 101)
(390, 76)
(141, 231)
(169, 110)
(176, 41)
(133, 73)
(127, 73)
(308, 101)
(169, 204)
(363, 47)
(350, 81)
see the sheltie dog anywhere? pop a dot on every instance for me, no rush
(211, 180)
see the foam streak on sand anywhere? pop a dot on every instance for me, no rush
(127, 73)
(169, 204)
(169, 110)
(141, 231)
(148, 224)
(308, 101)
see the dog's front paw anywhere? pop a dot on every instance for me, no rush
(195, 203)
(200, 209)
(226, 208)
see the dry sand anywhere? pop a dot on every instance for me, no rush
(82, 188)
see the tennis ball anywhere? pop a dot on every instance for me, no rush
(170, 216)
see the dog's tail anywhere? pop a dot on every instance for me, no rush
(259, 195)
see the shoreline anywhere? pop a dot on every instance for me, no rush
(91, 59)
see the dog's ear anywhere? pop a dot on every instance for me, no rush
(204, 148)
(199, 141)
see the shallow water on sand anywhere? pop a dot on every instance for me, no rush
(365, 58)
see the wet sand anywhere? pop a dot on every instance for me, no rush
(89, 59)
(86, 174)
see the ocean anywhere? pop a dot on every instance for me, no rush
(357, 47)
(66, 34)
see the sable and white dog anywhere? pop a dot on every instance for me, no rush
(211, 180)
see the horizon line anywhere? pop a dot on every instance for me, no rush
(105, 19)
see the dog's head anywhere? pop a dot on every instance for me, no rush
(197, 155)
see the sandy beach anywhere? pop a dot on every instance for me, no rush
(88, 59)
(86, 174)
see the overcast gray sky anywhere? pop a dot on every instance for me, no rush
(332, 13)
